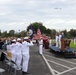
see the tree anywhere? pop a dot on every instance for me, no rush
(53, 33)
(72, 33)
(48, 32)
(11, 33)
(0, 33)
(23, 33)
(36, 25)
(5, 34)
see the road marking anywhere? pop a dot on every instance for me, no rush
(73, 59)
(51, 70)
(66, 71)
(57, 72)
(59, 64)
(61, 59)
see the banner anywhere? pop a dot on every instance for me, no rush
(31, 32)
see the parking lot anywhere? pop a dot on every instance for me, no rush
(59, 64)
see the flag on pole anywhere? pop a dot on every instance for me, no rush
(31, 32)
(38, 32)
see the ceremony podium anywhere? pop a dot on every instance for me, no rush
(65, 44)
(62, 44)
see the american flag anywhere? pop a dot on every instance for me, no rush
(38, 32)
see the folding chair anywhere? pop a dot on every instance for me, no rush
(1, 71)
(14, 68)
(6, 61)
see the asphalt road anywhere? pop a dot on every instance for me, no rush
(55, 65)
(37, 65)
(59, 64)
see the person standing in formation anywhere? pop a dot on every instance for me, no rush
(50, 42)
(13, 50)
(25, 54)
(19, 53)
(57, 40)
(40, 41)
(75, 41)
(60, 36)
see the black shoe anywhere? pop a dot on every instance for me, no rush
(24, 73)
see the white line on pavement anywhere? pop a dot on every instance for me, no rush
(61, 59)
(56, 71)
(59, 64)
(51, 70)
(73, 59)
(66, 71)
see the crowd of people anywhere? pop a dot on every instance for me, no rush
(18, 50)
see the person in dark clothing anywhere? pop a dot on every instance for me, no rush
(2, 58)
(1, 44)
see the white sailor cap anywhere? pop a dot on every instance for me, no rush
(26, 37)
(13, 40)
(18, 39)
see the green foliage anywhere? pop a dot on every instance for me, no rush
(72, 44)
(72, 33)
(23, 33)
(11, 33)
(36, 25)
(4, 34)
(43, 29)
(53, 33)
(46, 31)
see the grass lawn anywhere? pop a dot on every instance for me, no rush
(72, 44)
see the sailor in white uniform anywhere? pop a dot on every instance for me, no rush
(25, 54)
(50, 42)
(60, 36)
(40, 41)
(13, 50)
(75, 41)
(57, 40)
(9, 51)
(19, 53)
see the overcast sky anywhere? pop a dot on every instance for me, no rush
(54, 14)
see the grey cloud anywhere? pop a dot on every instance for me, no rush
(29, 11)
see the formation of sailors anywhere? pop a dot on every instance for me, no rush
(20, 52)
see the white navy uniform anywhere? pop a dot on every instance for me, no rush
(74, 41)
(13, 51)
(25, 55)
(60, 36)
(18, 54)
(40, 46)
(50, 42)
(8, 48)
(57, 41)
